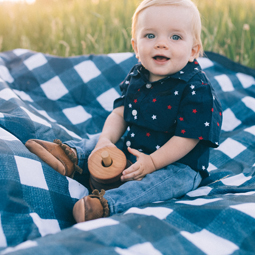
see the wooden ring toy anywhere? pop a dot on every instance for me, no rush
(106, 166)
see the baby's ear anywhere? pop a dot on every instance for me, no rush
(134, 45)
(194, 52)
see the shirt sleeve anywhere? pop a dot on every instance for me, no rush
(199, 115)
(123, 88)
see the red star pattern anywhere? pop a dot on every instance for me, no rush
(186, 125)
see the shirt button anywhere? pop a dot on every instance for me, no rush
(134, 112)
(148, 85)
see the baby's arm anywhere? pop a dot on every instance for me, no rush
(114, 127)
(173, 150)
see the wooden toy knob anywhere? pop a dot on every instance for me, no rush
(107, 160)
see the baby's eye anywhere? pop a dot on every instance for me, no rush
(150, 36)
(176, 37)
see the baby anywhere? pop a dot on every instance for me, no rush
(168, 107)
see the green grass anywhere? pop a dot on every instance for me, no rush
(75, 27)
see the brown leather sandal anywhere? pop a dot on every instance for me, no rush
(57, 155)
(91, 207)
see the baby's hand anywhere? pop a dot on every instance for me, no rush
(144, 165)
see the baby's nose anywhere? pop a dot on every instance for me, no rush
(161, 44)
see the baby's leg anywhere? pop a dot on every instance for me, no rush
(170, 182)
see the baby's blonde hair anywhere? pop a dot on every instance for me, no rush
(196, 26)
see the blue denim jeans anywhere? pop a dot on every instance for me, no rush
(172, 181)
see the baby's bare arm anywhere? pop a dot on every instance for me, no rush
(175, 149)
(114, 127)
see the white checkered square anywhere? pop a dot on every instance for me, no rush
(236, 180)
(247, 208)
(87, 70)
(205, 63)
(231, 148)
(141, 248)
(210, 243)
(45, 226)
(159, 212)
(199, 201)
(36, 118)
(249, 102)
(31, 172)
(3, 242)
(106, 99)
(77, 114)
(76, 190)
(24, 96)
(7, 94)
(224, 82)
(94, 224)
(202, 191)
(19, 52)
(250, 130)
(54, 88)
(211, 167)
(5, 135)
(5, 74)
(246, 80)
(230, 122)
(35, 61)
(120, 57)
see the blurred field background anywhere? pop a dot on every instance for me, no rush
(75, 27)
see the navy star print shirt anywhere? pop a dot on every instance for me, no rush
(183, 104)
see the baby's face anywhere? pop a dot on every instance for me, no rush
(164, 42)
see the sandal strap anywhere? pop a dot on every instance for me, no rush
(71, 155)
(104, 203)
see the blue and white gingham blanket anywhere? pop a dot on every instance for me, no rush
(48, 97)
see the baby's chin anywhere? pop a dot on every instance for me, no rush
(157, 77)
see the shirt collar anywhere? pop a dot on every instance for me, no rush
(185, 74)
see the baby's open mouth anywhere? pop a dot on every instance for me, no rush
(161, 58)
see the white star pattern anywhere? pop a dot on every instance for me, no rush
(154, 117)
(135, 117)
(193, 92)
(203, 167)
(157, 147)
(176, 93)
(132, 135)
(192, 86)
(127, 82)
(181, 72)
(130, 105)
(207, 124)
